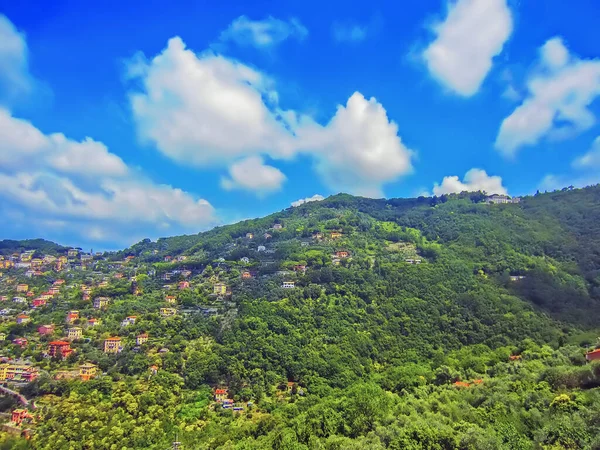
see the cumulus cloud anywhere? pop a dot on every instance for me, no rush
(473, 181)
(263, 33)
(302, 201)
(207, 110)
(559, 93)
(591, 160)
(53, 179)
(348, 32)
(359, 149)
(472, 34)
(253, 175)
(15, 79)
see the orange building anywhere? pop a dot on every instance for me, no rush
(60, 348)
(112, 345)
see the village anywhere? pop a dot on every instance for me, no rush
(54, 307)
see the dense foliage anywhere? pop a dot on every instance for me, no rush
(451, 353)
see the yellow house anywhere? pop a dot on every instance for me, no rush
(336, 234)
(87, 371)
(26, 257)
(22, 288)
(101, 302)
(141, 339)
(219, 288)
(171, 299)
(63, 259)
(168, 312)
(74, 333)
(112, 345)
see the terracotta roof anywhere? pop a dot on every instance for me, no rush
(59, 343)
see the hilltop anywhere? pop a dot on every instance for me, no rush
(442, 322)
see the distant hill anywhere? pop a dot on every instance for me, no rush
(9, 246)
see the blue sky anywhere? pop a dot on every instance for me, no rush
(125, 120)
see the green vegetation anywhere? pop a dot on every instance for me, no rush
(479, 346)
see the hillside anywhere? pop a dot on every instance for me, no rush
(349, 323)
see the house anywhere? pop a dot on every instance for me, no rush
(288, 285)
(168, 312)
(221, 395)
(249, 236)
(74, 333)
(261, 248)
(45, 330)
(63, 259)
(36, 262)
(517, 277)
(103, 284)
(171, 299)
(246, 275)
(29, 294)
(23, 319)
(93, 322)
(245, 260)
(118, 276)
(413, 261)
(342, 254)
(101, 302)
(59, 349)
(304, 244)
(58, 283)
(3, 298)
(166, 276)
(336, 234)
(186, 273)
(22, 287)
(501, 199)
(220, 289)
(54, 291)
(19, 300)
(594, 355)
(141, 339)
(267, 236)
(277, 226)
(318, 236)
(72, 316)
(183, 285)
(18, 372)
(39, 302)
(300, 268)
(87, 371)
(112, 345)
(129, 320)
(153, 370)
(30, 273)
(167, 258)
(21, 342)
(21, 416)
(72, 253)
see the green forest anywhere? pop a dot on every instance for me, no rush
(427, 323)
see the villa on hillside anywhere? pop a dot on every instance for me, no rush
(501, 199)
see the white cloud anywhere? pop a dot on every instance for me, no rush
(263, 33)
(15, 79)
(591, 160)
(560, 91)
(208, 110)
(473, 181)
(348, 32)
(302, 201)
(252, 174)
(466, 42)
(552, 182)
(46, 178)
(359, 149)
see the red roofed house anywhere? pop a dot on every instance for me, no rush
(59, 348)
(246, 275)
(221, 395)
(39, 302)
(184, 285)
(72, 316)
(342, 254)
(141, 339)
(594, 355)
(58, 282)
(23, 318)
